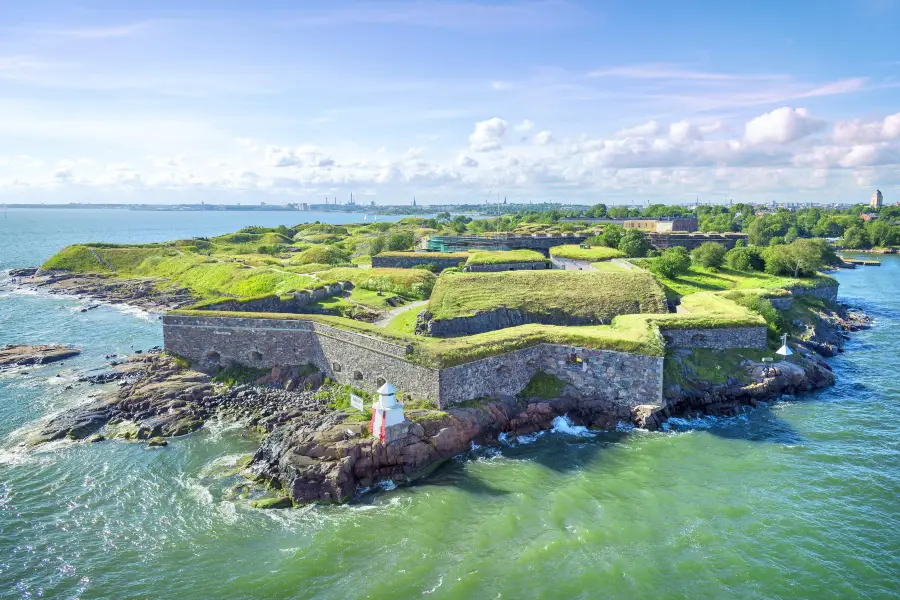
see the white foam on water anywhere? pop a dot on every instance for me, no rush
(564, 425)
(386, 485)
(677, 424)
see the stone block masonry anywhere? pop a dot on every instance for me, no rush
(725, 338)
(367, 362)
(347, 357)
(620, 377)
(522, 266)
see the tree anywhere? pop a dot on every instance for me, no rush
(611, 235)
(741, 258)
(634, 244)
(376, 246)
(402, 240)
(855, 236)
(672, 262)
(799, 259)
(709, 254)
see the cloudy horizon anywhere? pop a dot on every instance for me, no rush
(450, 102)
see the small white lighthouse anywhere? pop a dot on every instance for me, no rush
(386, 411)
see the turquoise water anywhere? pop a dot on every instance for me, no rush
(797, 499)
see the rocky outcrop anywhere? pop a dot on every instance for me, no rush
(149, 293)
(13, 355)
(159, 396)
(759, 382)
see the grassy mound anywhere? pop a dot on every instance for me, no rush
(410, 283)
(460, 255)
(594, 254)
(502, 257)
(582, 294)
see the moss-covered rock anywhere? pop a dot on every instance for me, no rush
(157, 442)
(267, 503)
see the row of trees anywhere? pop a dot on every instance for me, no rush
(801, 258)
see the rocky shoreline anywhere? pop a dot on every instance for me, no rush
(147, 293)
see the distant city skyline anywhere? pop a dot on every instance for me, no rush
(450, 102)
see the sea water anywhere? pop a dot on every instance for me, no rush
(795, 499)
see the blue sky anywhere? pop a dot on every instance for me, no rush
(455, 101)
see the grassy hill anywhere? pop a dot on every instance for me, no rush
(582, 294)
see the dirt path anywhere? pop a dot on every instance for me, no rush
(389, 315)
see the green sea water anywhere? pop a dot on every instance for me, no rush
(796, 499)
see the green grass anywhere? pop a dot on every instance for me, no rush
(579, 294)
(462, 256)
(608, 267)
(502, 257)
(404, 323)
(575, 252)
(409, 283)
(543, 386)
(700, 279)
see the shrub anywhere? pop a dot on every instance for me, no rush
(672, 262)
(543, 386)
(742, 258)
(709, 254)
(775, 321)
(403, 240)
(433, 267)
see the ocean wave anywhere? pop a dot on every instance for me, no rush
(678, 424)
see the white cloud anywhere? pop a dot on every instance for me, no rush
(525, 126)
(488, 135)
(647, 129)
(544, 138)
(857, 131)
(782, 126)
(500, 86)
(466, 162)
(683, 132)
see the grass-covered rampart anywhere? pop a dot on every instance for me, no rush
(580, 294)
(593, 254)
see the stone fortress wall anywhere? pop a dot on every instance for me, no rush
(521, 266)
(367, 362)
(408, 262)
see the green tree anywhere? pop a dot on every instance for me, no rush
(634, 244)
(709, 254)
(741, 258)
(402, 240)
(672, 262)
(376, 245)
(799, 259)
(611, 235)
(855, 236)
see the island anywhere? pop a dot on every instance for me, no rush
(481, 335)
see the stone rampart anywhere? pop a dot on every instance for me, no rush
(408, 262)
(724, 338)
(522, 266)
(627, 379)
(493, 320)
(367, 362)
(345, 356)
(782, 303)
(827, 293)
